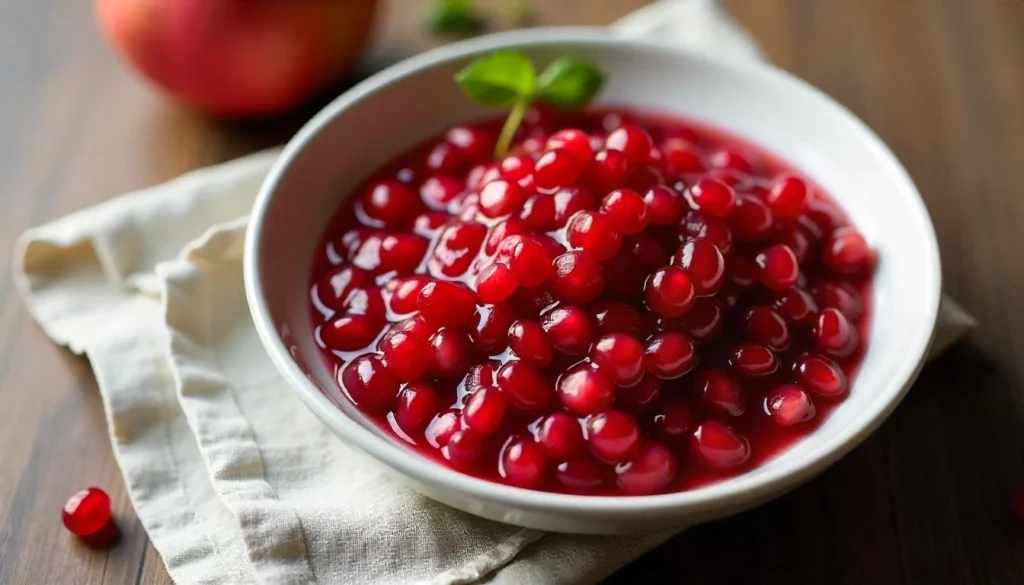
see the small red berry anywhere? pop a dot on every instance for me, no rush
(575, 141)
(719, 393)
(584, 390)
(485, 410)
(500, 198)
(846, 252)
(495, 283)
(669, 291)
(557, 168)
(649, 471)
(619, 357)
(87, 515)
(779, 267)
(578, 277)
(664, 206)
(452, 351)
(765, 325)
(712, 197)
(525, 387)
(834, 334)
(718, 445)
(821, 375)
(443, 303)
(751, 220)
(613, 436)
(788, 197)
(670, 355)
(626, 210)
(789, 405)
(522, 463)
(705, 264)
(530, 342)
(753, 359)
(594, 233)
(369, 383)
(418, 404)
(560, 435)
(406, 355)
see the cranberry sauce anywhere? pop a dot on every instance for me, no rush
(624, 304)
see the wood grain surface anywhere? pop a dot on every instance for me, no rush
(925, 500)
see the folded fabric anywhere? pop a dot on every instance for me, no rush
(234, 480)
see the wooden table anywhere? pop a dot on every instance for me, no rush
(925, 500)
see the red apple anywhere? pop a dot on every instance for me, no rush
(239, 57)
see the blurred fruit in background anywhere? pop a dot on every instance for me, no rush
(239, 58)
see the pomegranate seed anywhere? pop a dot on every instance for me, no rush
(560, 435)
(369, 383)
(670, 355)
(711, 197)
(616, 317)
(765, 325)
(669, 291)
(538, 213)
(730, 159)
(456, 248)
(695, 225)
(577, 277)
(524, 386)
(532, 301)
(641, 396)
(437, 192)
(846, 252)
(682, 159)
(415, 325)
(704, 321)
(664, 206)
(797, 306)
(557, 168)
(649, 471)
(500, 198)
(834, 334)
(742, 272)
(645, 178)
(631, 140)
(626, 210)
(527, 257)
(418, 404)
(391, 203)
(522, 463)
(530, 342)
(794, 237)
(704, 262)
(444, 303)
(571, 200)
(492, 325)
(472, 143)
(613, 436)
(482, 174)
(87, 515)
(644, 252)
(581, 473)
(484, 410)
(463, 448)
(406, 293)
(822, 217)
(501, 232)
(607, 171)
(593, 232)
(406, 355)
(779, 267)
(821, 375)
(719, 393)
(575, 141)
(751, 220)
(516, 167)
(452, 351)
(839, 295)
(440, 430)
(495, 284)
(619, 357)
(445, 158)
(718, 445)
(789, 405)
(788, 197)
(753, 359)
(335, 287)
(584, 390)
(350, 333)
(674, 421)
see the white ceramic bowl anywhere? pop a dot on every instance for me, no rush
(415, 99)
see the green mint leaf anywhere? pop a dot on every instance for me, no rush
(454, 17)
(500, 79)
(569, 83)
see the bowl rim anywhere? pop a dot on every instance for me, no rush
(747, 487)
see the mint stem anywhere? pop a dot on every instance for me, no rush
(508, 131)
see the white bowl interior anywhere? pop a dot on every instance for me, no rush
(416, 100)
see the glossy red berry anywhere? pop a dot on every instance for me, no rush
(728, 158)
(570, 329)
(418, 404)
(797, 306)
(538, 213)
(719, 446)
(560, 435)
(523, 463)
(631, 140)
(87, 515)
(485, 410)
(664, 206)
(557, 168)
(575, 141)
(369, 383)
(405, 294)
(779, 267)
(719, 393)
(788, 197)
(613, 436)
(765, 325)
(839, 295)
(626, 210)
(577, 277)
(846, 252)
(674, 421)
(789, 405)
(821, 376)
(391, 203)
(751, 219)
(619, 357)
(525, 387)
(834, 334)
(501, 198)
(350, 332)
(594, 233)
(695, 225)
(670, 355)
(705, 320)
(335, 287)
(492, 322)
(581, 473)
(607, 171)
(406, 355)
(530, 342)
(444, 303)
(669, 291)
(495, 283)
(713, 198)
(650, 471)
(464, 448)
(452, 353)
(584, 390)
(704, 263)
(753, 359)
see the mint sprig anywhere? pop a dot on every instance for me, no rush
(508, 79)
(454, 17)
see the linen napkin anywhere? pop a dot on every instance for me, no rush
(234, 480)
